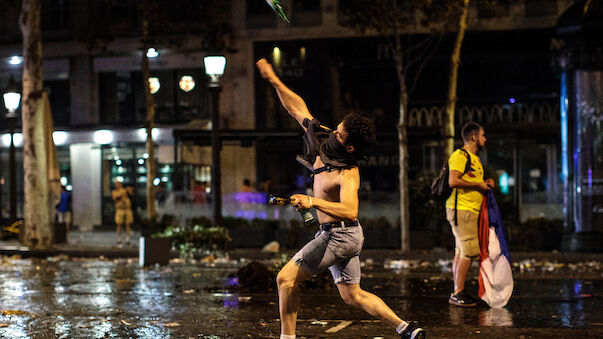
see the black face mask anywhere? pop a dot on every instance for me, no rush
(335, 151)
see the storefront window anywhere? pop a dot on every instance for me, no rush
(128, 163)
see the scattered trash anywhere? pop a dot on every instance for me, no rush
(170, 324)
(15, 312)
(125, 323)
(209, 259)
(272, 247)
(341, 325)
(256, 277)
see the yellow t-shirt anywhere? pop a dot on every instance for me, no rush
(468, 199)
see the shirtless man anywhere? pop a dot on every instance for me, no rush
(338, 243)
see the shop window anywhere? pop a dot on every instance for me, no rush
(128, 163)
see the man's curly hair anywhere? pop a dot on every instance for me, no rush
(361, 131)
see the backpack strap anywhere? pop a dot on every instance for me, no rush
(456, 190)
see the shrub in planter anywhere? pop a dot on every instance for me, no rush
(197, 241)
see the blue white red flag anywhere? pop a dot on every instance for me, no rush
(495, 276)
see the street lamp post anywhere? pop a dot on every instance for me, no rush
(214, 68)
(12, 98)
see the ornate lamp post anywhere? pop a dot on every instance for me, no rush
(12, 98)
(214, 68)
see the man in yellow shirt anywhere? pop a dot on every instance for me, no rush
(463, 206)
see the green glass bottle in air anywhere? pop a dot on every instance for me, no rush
(278, 9)
(306, 215)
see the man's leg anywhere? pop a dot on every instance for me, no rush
(460, 273)
(353, 295)
(118, 234)
(288, 280)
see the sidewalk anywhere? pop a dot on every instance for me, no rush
(79, 244)
(103, 243)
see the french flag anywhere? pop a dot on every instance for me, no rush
(495, 276)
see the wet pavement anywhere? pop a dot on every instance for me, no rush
(63, 297)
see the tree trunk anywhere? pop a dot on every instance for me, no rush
(150, 102)
(402, 145)
(37, 231)
(403, 159)
(52, 162)
(455, 59)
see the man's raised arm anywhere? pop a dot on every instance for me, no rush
(292, 102)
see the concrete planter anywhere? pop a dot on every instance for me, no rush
(154, 251)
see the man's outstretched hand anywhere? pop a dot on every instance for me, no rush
(265, 68)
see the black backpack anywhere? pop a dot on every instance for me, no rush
(440, 188)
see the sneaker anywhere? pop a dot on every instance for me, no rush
(462, 299)
(119, 245)
(413, 331)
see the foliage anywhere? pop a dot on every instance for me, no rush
(152, 226)
(426, 214)
(197, 241)
(536, 234)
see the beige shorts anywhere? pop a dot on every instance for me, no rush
(64, 217)
(124, 216)
(465, 232)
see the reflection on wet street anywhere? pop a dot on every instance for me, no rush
(92, 298)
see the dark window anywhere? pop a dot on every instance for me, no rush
(306, 5)
(122, 97)
(116, 98)
(536, 8)
(306, 13)
(59, 97)
(487, 9)
(260, 15)
(55, 15)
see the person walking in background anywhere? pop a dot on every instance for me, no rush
(123, 212)
(466, 178)
(64, 208)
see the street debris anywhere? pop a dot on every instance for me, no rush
(256, 277)
(272, 247)
(15, 312)
(339, 327)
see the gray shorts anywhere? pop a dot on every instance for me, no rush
(337, 250)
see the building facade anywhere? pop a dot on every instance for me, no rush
(92, 68)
